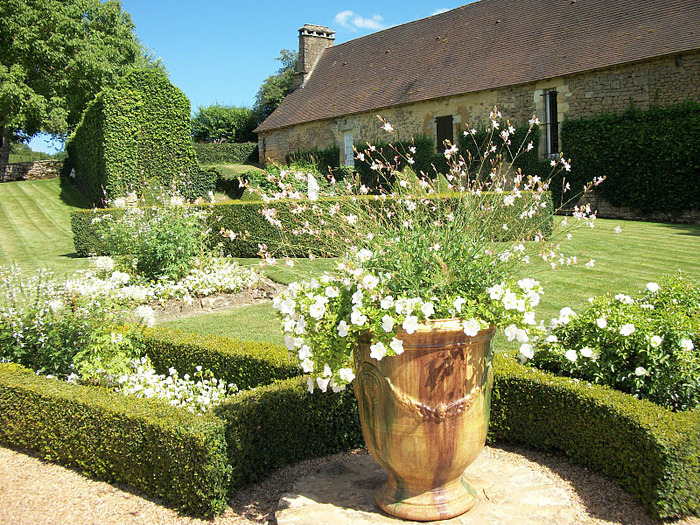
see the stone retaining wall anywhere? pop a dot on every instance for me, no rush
(40, 169)
(605, 210)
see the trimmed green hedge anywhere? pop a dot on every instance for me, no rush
(240, 216)
(282, 423)
(247, 364)
(227, 153)
(651, 452)
(651, 159)
(133, 134)
(149, 445)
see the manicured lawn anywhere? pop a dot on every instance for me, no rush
(624, 262)
(35, 219)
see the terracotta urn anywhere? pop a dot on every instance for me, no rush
(424, 417)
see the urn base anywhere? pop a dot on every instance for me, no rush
(437, 503)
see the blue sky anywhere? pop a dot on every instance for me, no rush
(220, 51)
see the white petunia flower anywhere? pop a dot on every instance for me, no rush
(687, 344)
(387, 302)
(586, 351)
(653, 287)
(410, 324)
(397, 346)
(458, 303)
(527, 351)
(388, 323)
(428, 309)
(571, 355)
(472, 327)
(602, 322)
(627, 329)
(346, 374)
(358, 318)
(377, 351)
(655, 341)
(342, 329)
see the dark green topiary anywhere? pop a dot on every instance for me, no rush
(651, 159)
(133, 134)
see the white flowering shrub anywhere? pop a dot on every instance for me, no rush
(209, 275)
(647, 345)
(323, 319)
(155, 242)
(197, 394)
(46, 328)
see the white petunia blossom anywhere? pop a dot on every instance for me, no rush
(586, 351)
(527, 351)
(627, 329)
(428, 309)
(601, 322)
(397, 346)
(346, 374)
(410, 324)
(687, 344)
(653, 287)
(377, 351)
(472, 327)
(388, 323)
(342, 329)
(571, 355)
(656, 341)
(387, 302)
(358, 318)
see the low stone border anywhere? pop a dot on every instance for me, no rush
(176, 308)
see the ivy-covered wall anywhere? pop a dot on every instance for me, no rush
(134, 134)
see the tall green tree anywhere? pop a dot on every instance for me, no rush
(217, 123)
(275, 87)
(55, 56)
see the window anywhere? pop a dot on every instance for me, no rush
(349, 153)
(551, 123)
(445, 131)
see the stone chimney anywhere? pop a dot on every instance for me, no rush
(312, 42)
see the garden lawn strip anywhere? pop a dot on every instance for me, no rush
(36, 218)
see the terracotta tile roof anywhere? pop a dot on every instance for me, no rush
(487, 44)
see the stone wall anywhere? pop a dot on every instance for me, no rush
(659, 81)
(605, 210)
(40, 169)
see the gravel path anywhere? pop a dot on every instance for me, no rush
(36, 492)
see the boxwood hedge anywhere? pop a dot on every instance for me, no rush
(194, 462)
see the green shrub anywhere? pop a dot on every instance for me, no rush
(326, 160)
(227, 153)
(650, 158)
(282, 423)
(161, 241)
(647, 346)
(246, 364)
(131, 135)
(158, 449)
(651, 452)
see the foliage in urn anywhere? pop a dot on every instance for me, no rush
(420, 246)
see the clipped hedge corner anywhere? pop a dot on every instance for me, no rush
(149, 445)
(651, 452)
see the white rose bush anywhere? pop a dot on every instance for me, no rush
(415, 248)
(647, 345)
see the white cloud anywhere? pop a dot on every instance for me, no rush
(441, 10)
(343, 18)
(373, 23)
(350, 20)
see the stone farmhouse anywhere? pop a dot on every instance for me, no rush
(554, 59)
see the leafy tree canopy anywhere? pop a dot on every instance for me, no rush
(219, 123)
(275, 87)
(55, 56)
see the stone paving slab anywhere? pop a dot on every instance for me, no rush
(509, 492)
